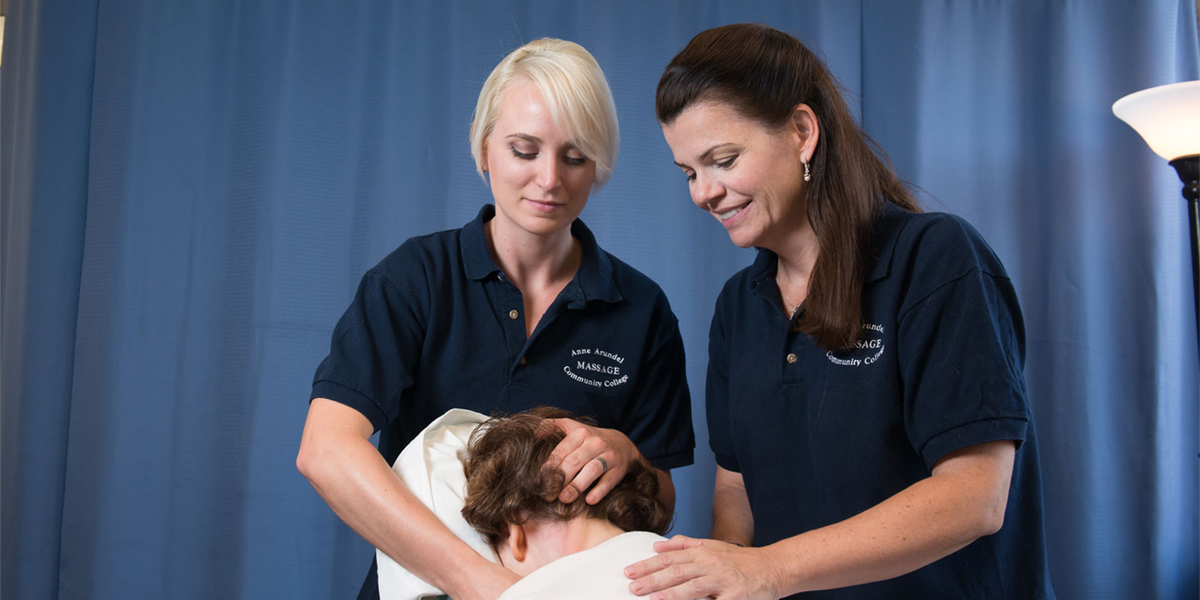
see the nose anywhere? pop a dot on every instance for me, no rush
(549, 176)
(706, 191)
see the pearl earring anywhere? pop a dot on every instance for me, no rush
(807, 175)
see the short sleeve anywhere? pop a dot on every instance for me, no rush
(660, 422)
(716, 393)
(375, 350)
(961, 355)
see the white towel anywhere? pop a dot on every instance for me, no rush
(432, 467)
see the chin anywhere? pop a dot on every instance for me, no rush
(741, 240)
(546, 226)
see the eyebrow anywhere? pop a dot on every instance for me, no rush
(703, 156)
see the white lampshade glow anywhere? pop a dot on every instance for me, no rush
(1167, 117)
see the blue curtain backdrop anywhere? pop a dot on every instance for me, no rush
(191, 191)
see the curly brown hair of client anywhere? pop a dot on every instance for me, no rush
(510, 482)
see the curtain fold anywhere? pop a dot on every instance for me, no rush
(45, 117)
(191, 192)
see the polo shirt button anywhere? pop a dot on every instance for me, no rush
(513, 314)
(522, 361)
(791, 358)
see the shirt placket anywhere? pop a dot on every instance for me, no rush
(792, 343)
(509, 308)
(783, 341)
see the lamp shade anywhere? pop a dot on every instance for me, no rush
(1167, 117)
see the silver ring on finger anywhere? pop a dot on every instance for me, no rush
(603, 464)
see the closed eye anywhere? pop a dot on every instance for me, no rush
(725, 164)
(522, 155)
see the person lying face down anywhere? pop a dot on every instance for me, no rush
(512, 500)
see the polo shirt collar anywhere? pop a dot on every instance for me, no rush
(593, 280)
(595, 275)
(476, 259)
(885, 232)
(763, 268)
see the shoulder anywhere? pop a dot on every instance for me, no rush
(633, 543)
(931, 251)
(935, 252)
(418, 257)
(637, 288)
(943, 247)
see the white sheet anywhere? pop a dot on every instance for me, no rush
(595, 574)
(431, 466)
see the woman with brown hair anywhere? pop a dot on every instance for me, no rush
(866, 401)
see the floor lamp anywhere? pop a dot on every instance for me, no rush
(1168, 118)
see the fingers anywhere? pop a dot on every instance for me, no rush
(669, 554)
(678, 542)
(672, 575)
(565, 450)
(703, 568)
(703, 586)
(576, 456)
(608, 481)
(566, 425)
(570, 443)
(587, 471)
(592, 460)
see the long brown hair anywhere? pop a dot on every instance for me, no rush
(510, 482)
(764, 74)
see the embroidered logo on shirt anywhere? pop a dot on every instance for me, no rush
(867, 349)
(596, 368)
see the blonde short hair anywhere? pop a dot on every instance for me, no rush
(575, 90)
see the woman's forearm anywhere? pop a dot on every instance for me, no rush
(963, 501)
(733, 521)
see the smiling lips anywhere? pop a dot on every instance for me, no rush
(544, 205)
(728, 217)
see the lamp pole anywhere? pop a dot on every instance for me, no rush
(1188, 168)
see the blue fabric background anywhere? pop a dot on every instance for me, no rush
(191, 191)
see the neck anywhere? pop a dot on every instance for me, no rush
(549, 541)
(568, 537)
(530, 258)
(797, 252)
(593, 532)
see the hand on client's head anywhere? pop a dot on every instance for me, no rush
(513, 485)
(592, 458)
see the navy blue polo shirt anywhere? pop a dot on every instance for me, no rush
(436, 325)
(822, 436)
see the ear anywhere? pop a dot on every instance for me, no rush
(483, 157)
(807, 129)
(517, 543)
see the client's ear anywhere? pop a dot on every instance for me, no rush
(518, 544)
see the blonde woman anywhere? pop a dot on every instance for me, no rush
(518, 308)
